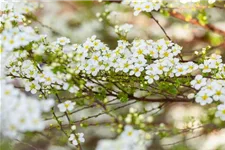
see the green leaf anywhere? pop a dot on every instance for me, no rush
(172, 90)
(123, 97)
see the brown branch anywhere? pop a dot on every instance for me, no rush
(104, 112)
(188, 139)
(164, 31)
(193, 21)
(24, 143)
(171, 100)
(59, 123)
(66, 126)
(177, 15)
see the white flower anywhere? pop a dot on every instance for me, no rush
(125, 65)
(205, 67)
(211, 1)
(66, 106)
(176, 49)
(73, 127)
(153, 52)
(180, 69)
(221, 112)
(47, 104)
(73, 89)
(123, 29)
(19, 113)
(135, 139)
(130, 134)
(32, 86)
(203, 97)
(80, 137)
(151, 77)
(191, 67)
(148, 6)
(198, 82)
(63, 41)
(166, 53)
(17, 37)
(143, 5)
(136, 70)
(140, 51)
(73, 139)
(92, 69)
(9, 91)
(219, 94)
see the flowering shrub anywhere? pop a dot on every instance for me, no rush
(47, 81)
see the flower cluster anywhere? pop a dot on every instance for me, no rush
(35, 78)
(149, 59)
(132, 58)
(76, 139)
(16, 37)
(45, 67)
(154, 5)
(12, 14)
(130, 139)
(23, 7)
(20, 113)
(123, 29)
(209, 90)
(143, 5)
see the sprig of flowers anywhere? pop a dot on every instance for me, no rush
(143, 5)
(20, 113)
(130, 138)
(69, 67)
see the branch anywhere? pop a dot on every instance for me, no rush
(196, 22)
(188, 139)
(24, 143)
(160, 27)
(171, 100)
(104, 112)
(192, 21)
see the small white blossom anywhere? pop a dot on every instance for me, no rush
(123, 29)
(143, 5)
(219, 93)
(73, 139)
(32, 86)
(221, 112)
(66, 106)
(63, 41)
(73, 127)
(198, 82)
(203, 97)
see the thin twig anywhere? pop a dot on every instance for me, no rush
(27, 144)
(164, 31)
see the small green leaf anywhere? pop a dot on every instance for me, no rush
(123, 97)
